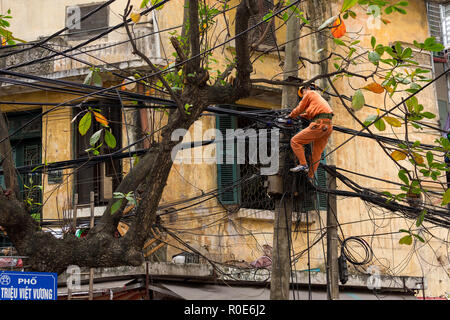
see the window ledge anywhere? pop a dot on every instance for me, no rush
(269, 215)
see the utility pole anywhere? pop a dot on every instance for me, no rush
(332, 241)
(91, 226)
(281, 263)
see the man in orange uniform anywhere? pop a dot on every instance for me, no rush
(315, 108)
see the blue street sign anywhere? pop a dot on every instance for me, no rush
(16, 285)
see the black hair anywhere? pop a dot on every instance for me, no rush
(312, 86)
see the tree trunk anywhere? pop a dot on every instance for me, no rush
(100, 248)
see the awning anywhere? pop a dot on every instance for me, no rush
(223, 292)
(100, 287)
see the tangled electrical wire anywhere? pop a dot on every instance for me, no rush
(350, 256)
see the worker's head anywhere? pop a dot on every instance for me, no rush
(304, 89)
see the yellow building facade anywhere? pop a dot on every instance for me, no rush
(229, 232)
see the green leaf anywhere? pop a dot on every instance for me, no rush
(430, 158)
(406, 240)
(407, 53)
(437, 47)
(420, 218)
(155, 2)
(402, 175)
(380, 125)
(95, 137)
(446, 198)
(398, 48)
(135, 159)
(116, 206)
(110, 139)
(97, 79)
(402, 11)
(428, 115)
(370, 119)
(380, 49)
(118, 195)
(419, 237)
(430, 44)
(374, 57)
(358, 100)
(339, 42)
(186, 108)
(131, 199)
(411, 103)
(85, 123)
(268, 16)
(348, 4)
(373, 42)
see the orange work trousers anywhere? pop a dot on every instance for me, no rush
(318, 133)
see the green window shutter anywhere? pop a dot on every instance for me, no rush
(227, 173)
(321, 177)
(442, 104)
(317, 200)
(2, 181)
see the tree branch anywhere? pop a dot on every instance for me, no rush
(137, 52)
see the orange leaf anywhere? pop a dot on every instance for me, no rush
(123, 87)
(100, 118)
(338, 29)
(135, 17)
(418, 158)
(398, 155)
(393, 121)
(374, 87)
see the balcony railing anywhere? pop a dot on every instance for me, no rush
(111, 55)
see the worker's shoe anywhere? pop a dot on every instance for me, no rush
(300, 168)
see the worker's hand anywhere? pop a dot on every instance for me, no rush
(288, 119)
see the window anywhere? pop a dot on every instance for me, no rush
(227, 173)
(269, 38)
(252, 194)
(104, 177)
(435, 21)
(446, 26)
(27, 147)
(89, 27)
(317, 200)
